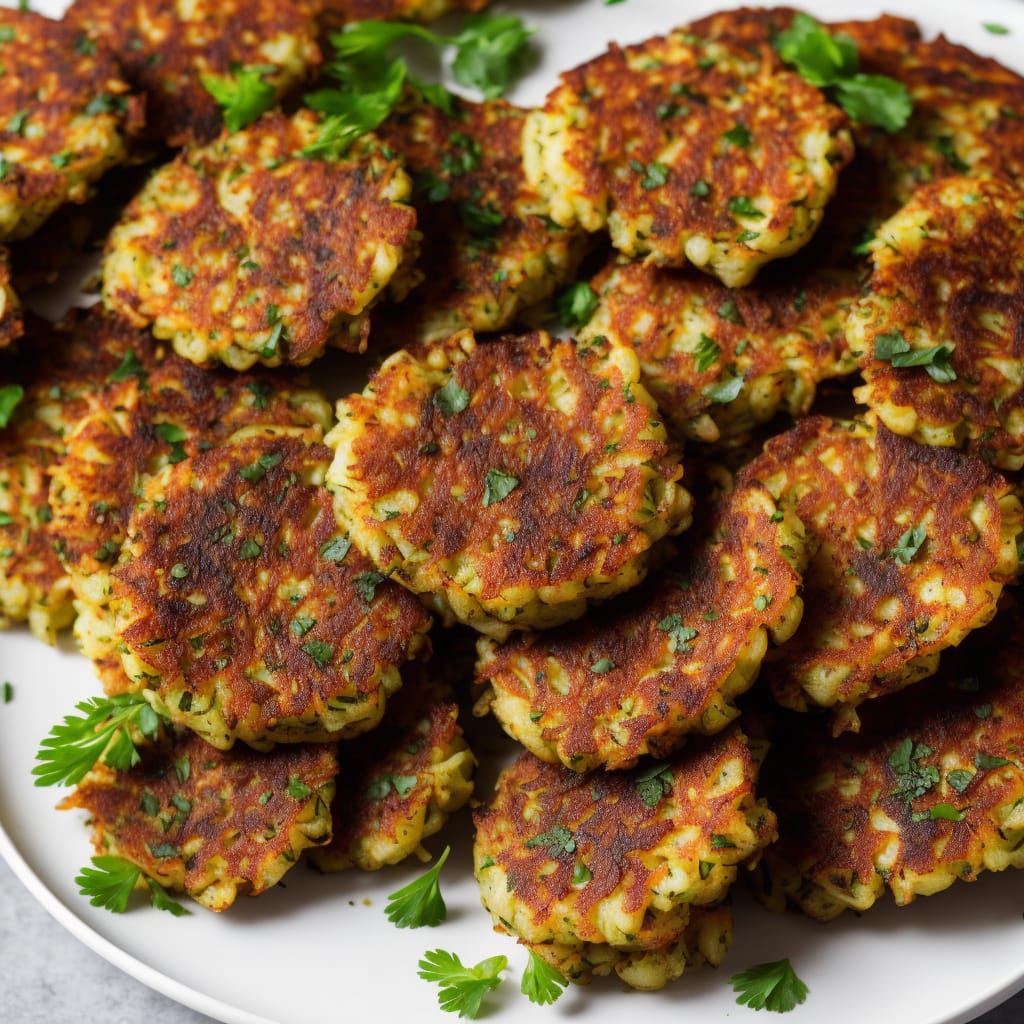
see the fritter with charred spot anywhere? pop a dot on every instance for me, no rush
(241, 611)
(399, 784)
(911, 548)
(513, 481)
(487, 252)
(166, 47)
(636, 677)
(613, 869)
(210, 823)
(930, 791)
(939, 330)
(689, 150)
(65, 114)
(247, 251)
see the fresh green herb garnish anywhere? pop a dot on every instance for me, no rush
(335, 549)
(419, 904)
(706, 353)
(451, 399)
(654, 783)
(912, 778)
(679, 635)
(945, 812)
(995, 28)
(542, 983)
(243, 95)
(894, 349)
(909, 544)
(10, 396)
(296, 788)
(498, 486)
(101, 733)
(110, 881)
(831, 61)
(770, 986)
(128, 367)
(959, 778)
(724, 391)
(556, 840)
(576, 305)
(366, 584)
(462, 988)
(320, 652)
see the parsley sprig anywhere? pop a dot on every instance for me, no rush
(110, 881)
(770, 986)
(831, 62)
(541, 983)
(487, 54)
(243, 95)
(462, 988)
(420, 903)
(101, 733)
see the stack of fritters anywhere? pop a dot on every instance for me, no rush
(263, 574)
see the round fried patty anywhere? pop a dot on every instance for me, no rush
(64, 113)
(210, 823)
(246, 250)
(912, 546)
(939, 330)
(639, 674)
(487, 253)
(512, 480)
(166, 48)
(598, 866)
(931, 790)
(689, 150)
(719, 361)
(242, 611)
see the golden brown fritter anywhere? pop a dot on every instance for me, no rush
(241, 610)
(639, 674)
(12, 324)
(513, 480)
(689, 150)
(398, 784)
(65, 113)
(591, 870)
(210, 823)
(487, 253)
(911, 548)
(931, 790)
(968, 115)
(57, 366)
(720, 361)
(246, 251)
(940, 329)
(166, 47)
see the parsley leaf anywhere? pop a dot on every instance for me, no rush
(366, 584)
(72, 748)
(576, 305)
(556, 840)
(909, 544)
(128, 367)
(654, 783)
(451, 399)
(419, 904)
(541, 982)
(706, 353)
(831, 61)
(462, 988)
(243, 95)
(110, 881)
(498, 486)
(10, 396)
(912, 778)
(490, 51)
(770, 986)
(724, 391)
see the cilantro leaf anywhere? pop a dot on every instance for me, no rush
(110, 881)
(462, 988)
(912, 778)
(451, 399)
(71, 749)
(831, 62)
(770, 986)
(420, 903)
(909, 544)
(10, 396)
(243, 95)
(542, 983)
(576, 305)
(498, 486)
(490, 51)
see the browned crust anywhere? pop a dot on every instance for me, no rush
(231, 810)
(164, 55)
(858, 490)
(12, 322)
(659, 686)
(827, 791)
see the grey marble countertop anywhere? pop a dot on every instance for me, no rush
(48, 977)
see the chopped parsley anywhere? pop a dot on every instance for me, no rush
(556, 840)
(576, 305)
(912, 778)
(451, 399)
(654, 783)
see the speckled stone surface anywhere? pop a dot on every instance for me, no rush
(48, 977)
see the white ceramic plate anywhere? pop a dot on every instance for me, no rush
(320, 948)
